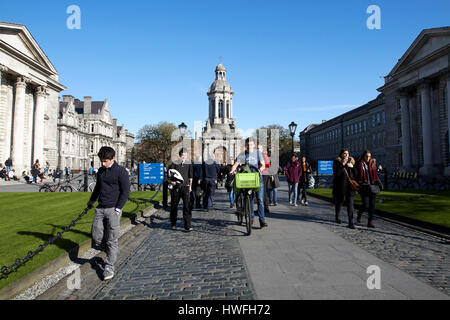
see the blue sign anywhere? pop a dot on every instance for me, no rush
(325, 167)
(151, 173)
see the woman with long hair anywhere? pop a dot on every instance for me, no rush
(343, 172)
(304, 180)
(370, 185)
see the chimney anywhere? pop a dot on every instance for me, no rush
(87, 105)
(68, 98)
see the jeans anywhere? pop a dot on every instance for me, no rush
(340, 200)
(231, 194)
(260, 201)
(293, 187)
(107, 218)
(273, 195)
(209, 192)
(368, 205)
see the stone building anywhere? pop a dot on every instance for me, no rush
(359, 129)
(407, 126)
(417, 92)
(83, 128)
(220, 136)
(29, 100)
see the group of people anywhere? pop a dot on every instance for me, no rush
(298, 175)
(350, 177)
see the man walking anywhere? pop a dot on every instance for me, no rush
(181, 191)
(196, 184)
(112, 191)
(8, 165)
(211, 171)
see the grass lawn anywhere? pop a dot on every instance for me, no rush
(28, 220)
(432, 208)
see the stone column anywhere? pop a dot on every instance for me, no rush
(216, 109)
(19, 125)
(427, 169)
(38, 143)
(447, 99)
(406, 132)
(5, 153)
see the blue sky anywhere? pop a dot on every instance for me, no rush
(302, 61)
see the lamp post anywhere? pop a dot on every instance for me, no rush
(182, 127)
(292, 129)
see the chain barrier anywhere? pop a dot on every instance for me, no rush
(6, 270)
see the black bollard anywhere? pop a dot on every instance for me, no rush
(86, 181)
(165, 193)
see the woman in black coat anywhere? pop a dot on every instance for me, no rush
(343, 168)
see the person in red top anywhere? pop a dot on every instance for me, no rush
(367, 177)
(266, 178)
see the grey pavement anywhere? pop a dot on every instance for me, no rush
(303, 254)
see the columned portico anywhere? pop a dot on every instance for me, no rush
(19, 123)
(428, 168)
(39, 113)
(406, 131)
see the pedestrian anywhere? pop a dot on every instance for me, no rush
(266, 178)
(211, 172)
(196, 194)
(112, 190)
(254, 158)
(181, 191)
(343, 181)
(229, 183)
(370, 186)
(304, 180)
(293, 173)
(3, 174)
(12, 175)
(8, 165)
(274, 184)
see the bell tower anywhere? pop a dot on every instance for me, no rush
(220, 96)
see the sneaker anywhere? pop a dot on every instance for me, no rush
(188, 230)
(306, 203)
(303, 202)
(108, 273)
(295, 205)
(275, 204)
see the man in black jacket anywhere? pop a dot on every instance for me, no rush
(181, 191)
(211, 171)
(112, 191)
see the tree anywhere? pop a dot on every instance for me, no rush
(284, 144)
(155, 142)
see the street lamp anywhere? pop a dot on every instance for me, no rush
(292, 129)
(182, 128)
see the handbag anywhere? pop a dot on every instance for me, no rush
(353, 184)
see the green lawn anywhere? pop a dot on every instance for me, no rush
(30, 219)
(431, 208)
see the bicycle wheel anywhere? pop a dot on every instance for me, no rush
(44, 189)
(66, 189)
(248, 214)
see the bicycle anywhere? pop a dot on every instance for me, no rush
(53, 188)
(246, 185)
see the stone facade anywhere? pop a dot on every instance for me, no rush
(220, 136)
(359, 129)
(411, 114)
(29, 100)
(86, 126)
(417, 91)
(35, 125)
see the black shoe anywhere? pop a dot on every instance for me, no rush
(351, 226)
(263, 225)
(371, 225)
(338, 220)
(188, 230)
(232, 206)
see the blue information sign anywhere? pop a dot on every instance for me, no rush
(325, 167)
(151, 173)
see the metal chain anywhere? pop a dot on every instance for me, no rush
(5, 270)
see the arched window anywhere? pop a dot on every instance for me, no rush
(228, 109)
(221, 109)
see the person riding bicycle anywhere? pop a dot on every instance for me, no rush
(254, 158)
